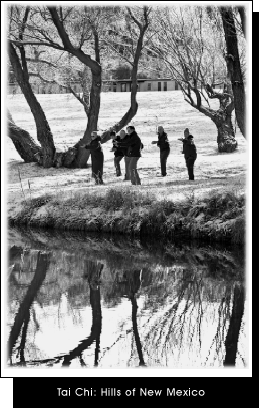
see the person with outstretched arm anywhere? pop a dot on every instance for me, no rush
(97, 157)
(163, 144)
(190, 152)
(185, 138)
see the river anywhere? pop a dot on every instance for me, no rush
(85, 301)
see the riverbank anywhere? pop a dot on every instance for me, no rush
(220, 217)
(169, 206)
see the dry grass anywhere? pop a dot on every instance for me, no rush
(135, 213)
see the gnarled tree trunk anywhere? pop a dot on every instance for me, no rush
(44, 134)
(221, 117)
(226, 135)
(31, 152)
(23, 142)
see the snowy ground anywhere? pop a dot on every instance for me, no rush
(67, 120)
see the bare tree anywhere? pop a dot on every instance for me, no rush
(38, 32)
(193, 55)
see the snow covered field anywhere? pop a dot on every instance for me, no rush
(67, 120)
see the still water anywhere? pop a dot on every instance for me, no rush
(86, 301)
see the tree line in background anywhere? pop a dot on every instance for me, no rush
(199, 47)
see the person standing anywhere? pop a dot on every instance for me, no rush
(119, 152)
(163, 144)
(97, 157)
(134, 146)
(185, 138)
(190, 155)
(190, 152)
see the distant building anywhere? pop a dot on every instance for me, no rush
(112, 85)
(45, 88)
(144, 85)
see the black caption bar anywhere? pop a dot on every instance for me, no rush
(84, 390)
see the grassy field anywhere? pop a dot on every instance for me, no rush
(213, 171)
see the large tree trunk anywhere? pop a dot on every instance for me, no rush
(95, 101)
(234, 67)
(221, 117)
(31, 152)
(44, 134)
(226, 135)
(93, 115)
(86, 87)
(23, 142)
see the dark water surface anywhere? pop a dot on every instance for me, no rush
(87, 301)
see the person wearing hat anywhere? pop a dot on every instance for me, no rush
(190, 152)
(163, 144)
(97, 157)
(185, 138)
(134, 146)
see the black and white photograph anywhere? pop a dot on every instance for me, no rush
(125, 147)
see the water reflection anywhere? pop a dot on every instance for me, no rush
(80, 301)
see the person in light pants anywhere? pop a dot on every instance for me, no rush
(134, 146)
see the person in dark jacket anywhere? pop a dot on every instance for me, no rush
(97, 157)
(134, 146)
(189, 151)
(119, 152)
(185, 138)
(163, 144)
(190, 155)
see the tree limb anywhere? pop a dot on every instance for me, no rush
(134, 19)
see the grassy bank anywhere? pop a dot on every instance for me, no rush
(219, 217)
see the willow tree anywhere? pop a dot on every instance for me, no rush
(193, 54)
(77, 31)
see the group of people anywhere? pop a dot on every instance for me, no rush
(128, 145)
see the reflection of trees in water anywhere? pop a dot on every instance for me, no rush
(179, 298)
(186, 301)
(22, 317)
(134, 281)
(178, 294)
(92, 273)
(128, 286)
(234, 325)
